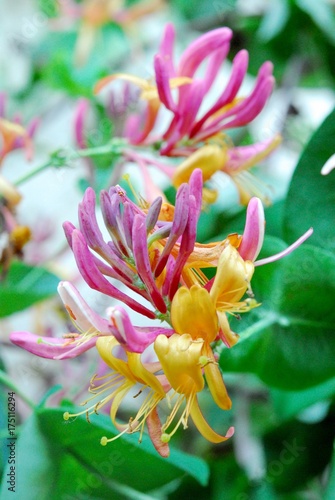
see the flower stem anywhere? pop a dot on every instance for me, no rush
(31, 174)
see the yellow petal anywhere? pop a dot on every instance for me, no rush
(105, 346)
(204, 428)
(152, 93)
(179, 356)
(232, 278)
(210, 158)
(215, 381)
(229, 336)
(142, 374)
(193, 312)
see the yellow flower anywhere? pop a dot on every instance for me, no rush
(182, 362)
(193, 313)
(124, 376)
(231, 282)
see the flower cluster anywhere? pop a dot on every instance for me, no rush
(153, 254)
(194, 129)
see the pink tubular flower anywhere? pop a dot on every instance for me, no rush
(139, 254)
(187, 122)
(253, 236)
(88, 323)
(192, 127)
(153, 252)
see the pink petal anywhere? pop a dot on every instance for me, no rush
(84, 317)
(141, 256)
(50, 347)
(203, 46)
(132, 338)
(253, 234)
(166, 48)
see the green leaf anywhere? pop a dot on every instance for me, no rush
(322, 14)
(296, 452)
(25, 285)
(288, 404)
(311, 197)
(63, 450)
(291, 342)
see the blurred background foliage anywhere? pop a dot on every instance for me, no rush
(281, 375)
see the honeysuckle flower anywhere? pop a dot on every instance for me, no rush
(181, 358)
(139, 254)
(88, 323)
(194, 131)
(153, 252)
(253, 236)
(125, 375)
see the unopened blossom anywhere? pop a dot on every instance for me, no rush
(193, 131)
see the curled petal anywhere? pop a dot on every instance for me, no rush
(204, 428)
(193, 56)
(132, 338)
(232, 278)
(215, 381)
(192, 311)
(239, 69)
(81, 313)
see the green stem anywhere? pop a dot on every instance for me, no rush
(31, 174)
(4, 379)
(61, 158)
(112, 147)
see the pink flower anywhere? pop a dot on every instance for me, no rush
(143, 253)
(191, 126)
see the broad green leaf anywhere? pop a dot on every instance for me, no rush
(288, 404)
(291, 343)
(311, 197)
(63, 450)
(25, 285)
